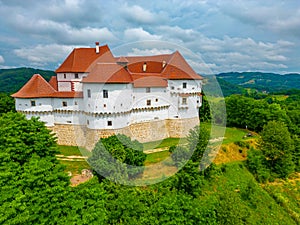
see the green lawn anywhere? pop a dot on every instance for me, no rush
(231, 134)
(156, 157)
(73, 150)
(164, 143)
(75, 166)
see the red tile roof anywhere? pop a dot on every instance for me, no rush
(177, 69)
(53, 82)
(38, 87)
(108, 73)
(81, 59)
(150, 81)
(67, 94)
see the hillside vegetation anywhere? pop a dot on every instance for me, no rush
(270, 82)
(11, 80)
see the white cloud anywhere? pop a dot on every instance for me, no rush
(41, 55)
(1, 59)
(139, 34)
(242, 54)
(283, 17)
(144, 52)
(178, 33)
(140, 15)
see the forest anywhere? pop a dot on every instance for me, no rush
(262, 189)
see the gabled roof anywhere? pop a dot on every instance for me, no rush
(36, 87)
(170, 66)
(108, 73)
(53, 82)
(81, 59)
(178, 69)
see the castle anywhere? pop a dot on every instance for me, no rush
(95, 94)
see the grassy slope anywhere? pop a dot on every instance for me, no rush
(238, 185)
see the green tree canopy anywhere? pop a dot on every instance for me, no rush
(277, 147)
(118, 158)
(21, 138)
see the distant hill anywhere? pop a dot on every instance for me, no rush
(11, 80)
(212, 85)
(269, 82)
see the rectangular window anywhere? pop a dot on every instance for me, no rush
(88, 93)
(184, 101)
(148, 90)
(105, 93)
(109, 123)
(76, 76)
(32, 103)
(64, 104)
(184, 85)
(88, 122)
(65, 76)
(148, 102)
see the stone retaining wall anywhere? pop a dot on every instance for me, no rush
(76, 135)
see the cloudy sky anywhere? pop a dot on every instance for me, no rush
(233, 35)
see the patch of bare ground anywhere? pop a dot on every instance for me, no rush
(77, 179)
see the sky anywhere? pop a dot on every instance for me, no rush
(222, 36)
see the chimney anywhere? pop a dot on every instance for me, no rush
(144, 67)
(97, 47)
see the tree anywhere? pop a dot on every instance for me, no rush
(179, 155)
(33, 183)
(117, 158)
(277, 147)
(198, 140)
(21, 138)
(204, 110)
(7, 103)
